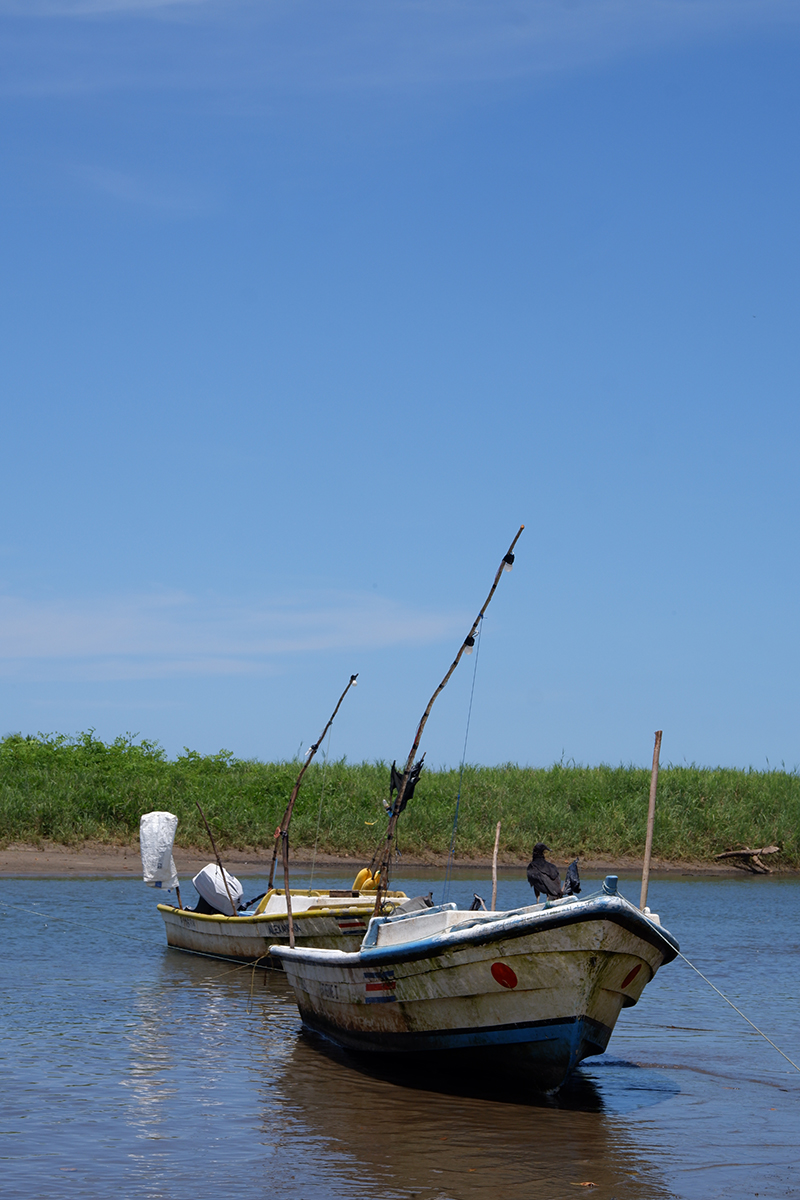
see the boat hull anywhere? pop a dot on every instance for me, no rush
(247, 939)
(529, 994)
(538, 1055)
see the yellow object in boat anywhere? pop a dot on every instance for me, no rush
(371, 884)
(361, 878)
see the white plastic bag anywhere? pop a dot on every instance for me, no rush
(211, 886)
(156, 835)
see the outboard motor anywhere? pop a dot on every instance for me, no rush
(211, 886)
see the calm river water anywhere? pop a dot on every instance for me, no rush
(133, 1071)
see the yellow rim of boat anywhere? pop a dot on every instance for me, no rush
(366, 905)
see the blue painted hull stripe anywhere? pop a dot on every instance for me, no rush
(562, 1034)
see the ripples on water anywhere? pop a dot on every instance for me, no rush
(143, 1073)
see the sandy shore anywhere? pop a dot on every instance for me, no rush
(92, 859)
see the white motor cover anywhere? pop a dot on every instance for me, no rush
(210, 885)
(156, 835)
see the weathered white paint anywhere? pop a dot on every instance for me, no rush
(431, 978)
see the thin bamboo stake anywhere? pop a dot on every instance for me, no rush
(651, 816)
(286, 889)
(282, 831)
(468, 642)
(219, 860)
(494, 868)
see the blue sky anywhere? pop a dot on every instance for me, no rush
(307, 306)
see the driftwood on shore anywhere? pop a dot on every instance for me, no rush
(750, 860)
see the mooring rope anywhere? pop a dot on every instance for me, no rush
(738, 1010)
(51, 917)
(207, 980)
(716, 989)
(451, 853)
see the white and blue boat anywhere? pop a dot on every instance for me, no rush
(528, 993)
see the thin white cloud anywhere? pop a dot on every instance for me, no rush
(141, 192)
(160, 636)
(83, 8)
(320, 45)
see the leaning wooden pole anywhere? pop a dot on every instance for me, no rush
(467, 644)
(494, 867)
(282, 832)
(217, 857)
(651, 816)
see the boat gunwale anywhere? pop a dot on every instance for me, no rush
(602, 908)
(353, 909)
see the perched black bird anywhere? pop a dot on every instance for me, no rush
(543, 876)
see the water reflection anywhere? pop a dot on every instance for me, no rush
(601, 1085)
(137, 1071)
(193, 1072)
(424, 1137)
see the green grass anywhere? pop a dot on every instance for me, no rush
(71, 790)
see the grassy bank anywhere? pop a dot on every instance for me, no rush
(69, 790)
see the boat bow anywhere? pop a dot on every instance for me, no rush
(530, 991)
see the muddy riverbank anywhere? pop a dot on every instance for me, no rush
(53, 860)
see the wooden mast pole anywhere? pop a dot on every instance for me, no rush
(282, 832)
(219, 860)
(469, 641)
(651, 816)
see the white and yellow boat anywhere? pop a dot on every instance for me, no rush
(220, 926)
(327, 919)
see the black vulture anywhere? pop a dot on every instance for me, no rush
(543, 876)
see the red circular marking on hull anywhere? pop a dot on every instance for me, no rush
(629, 978)
(503, 974)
